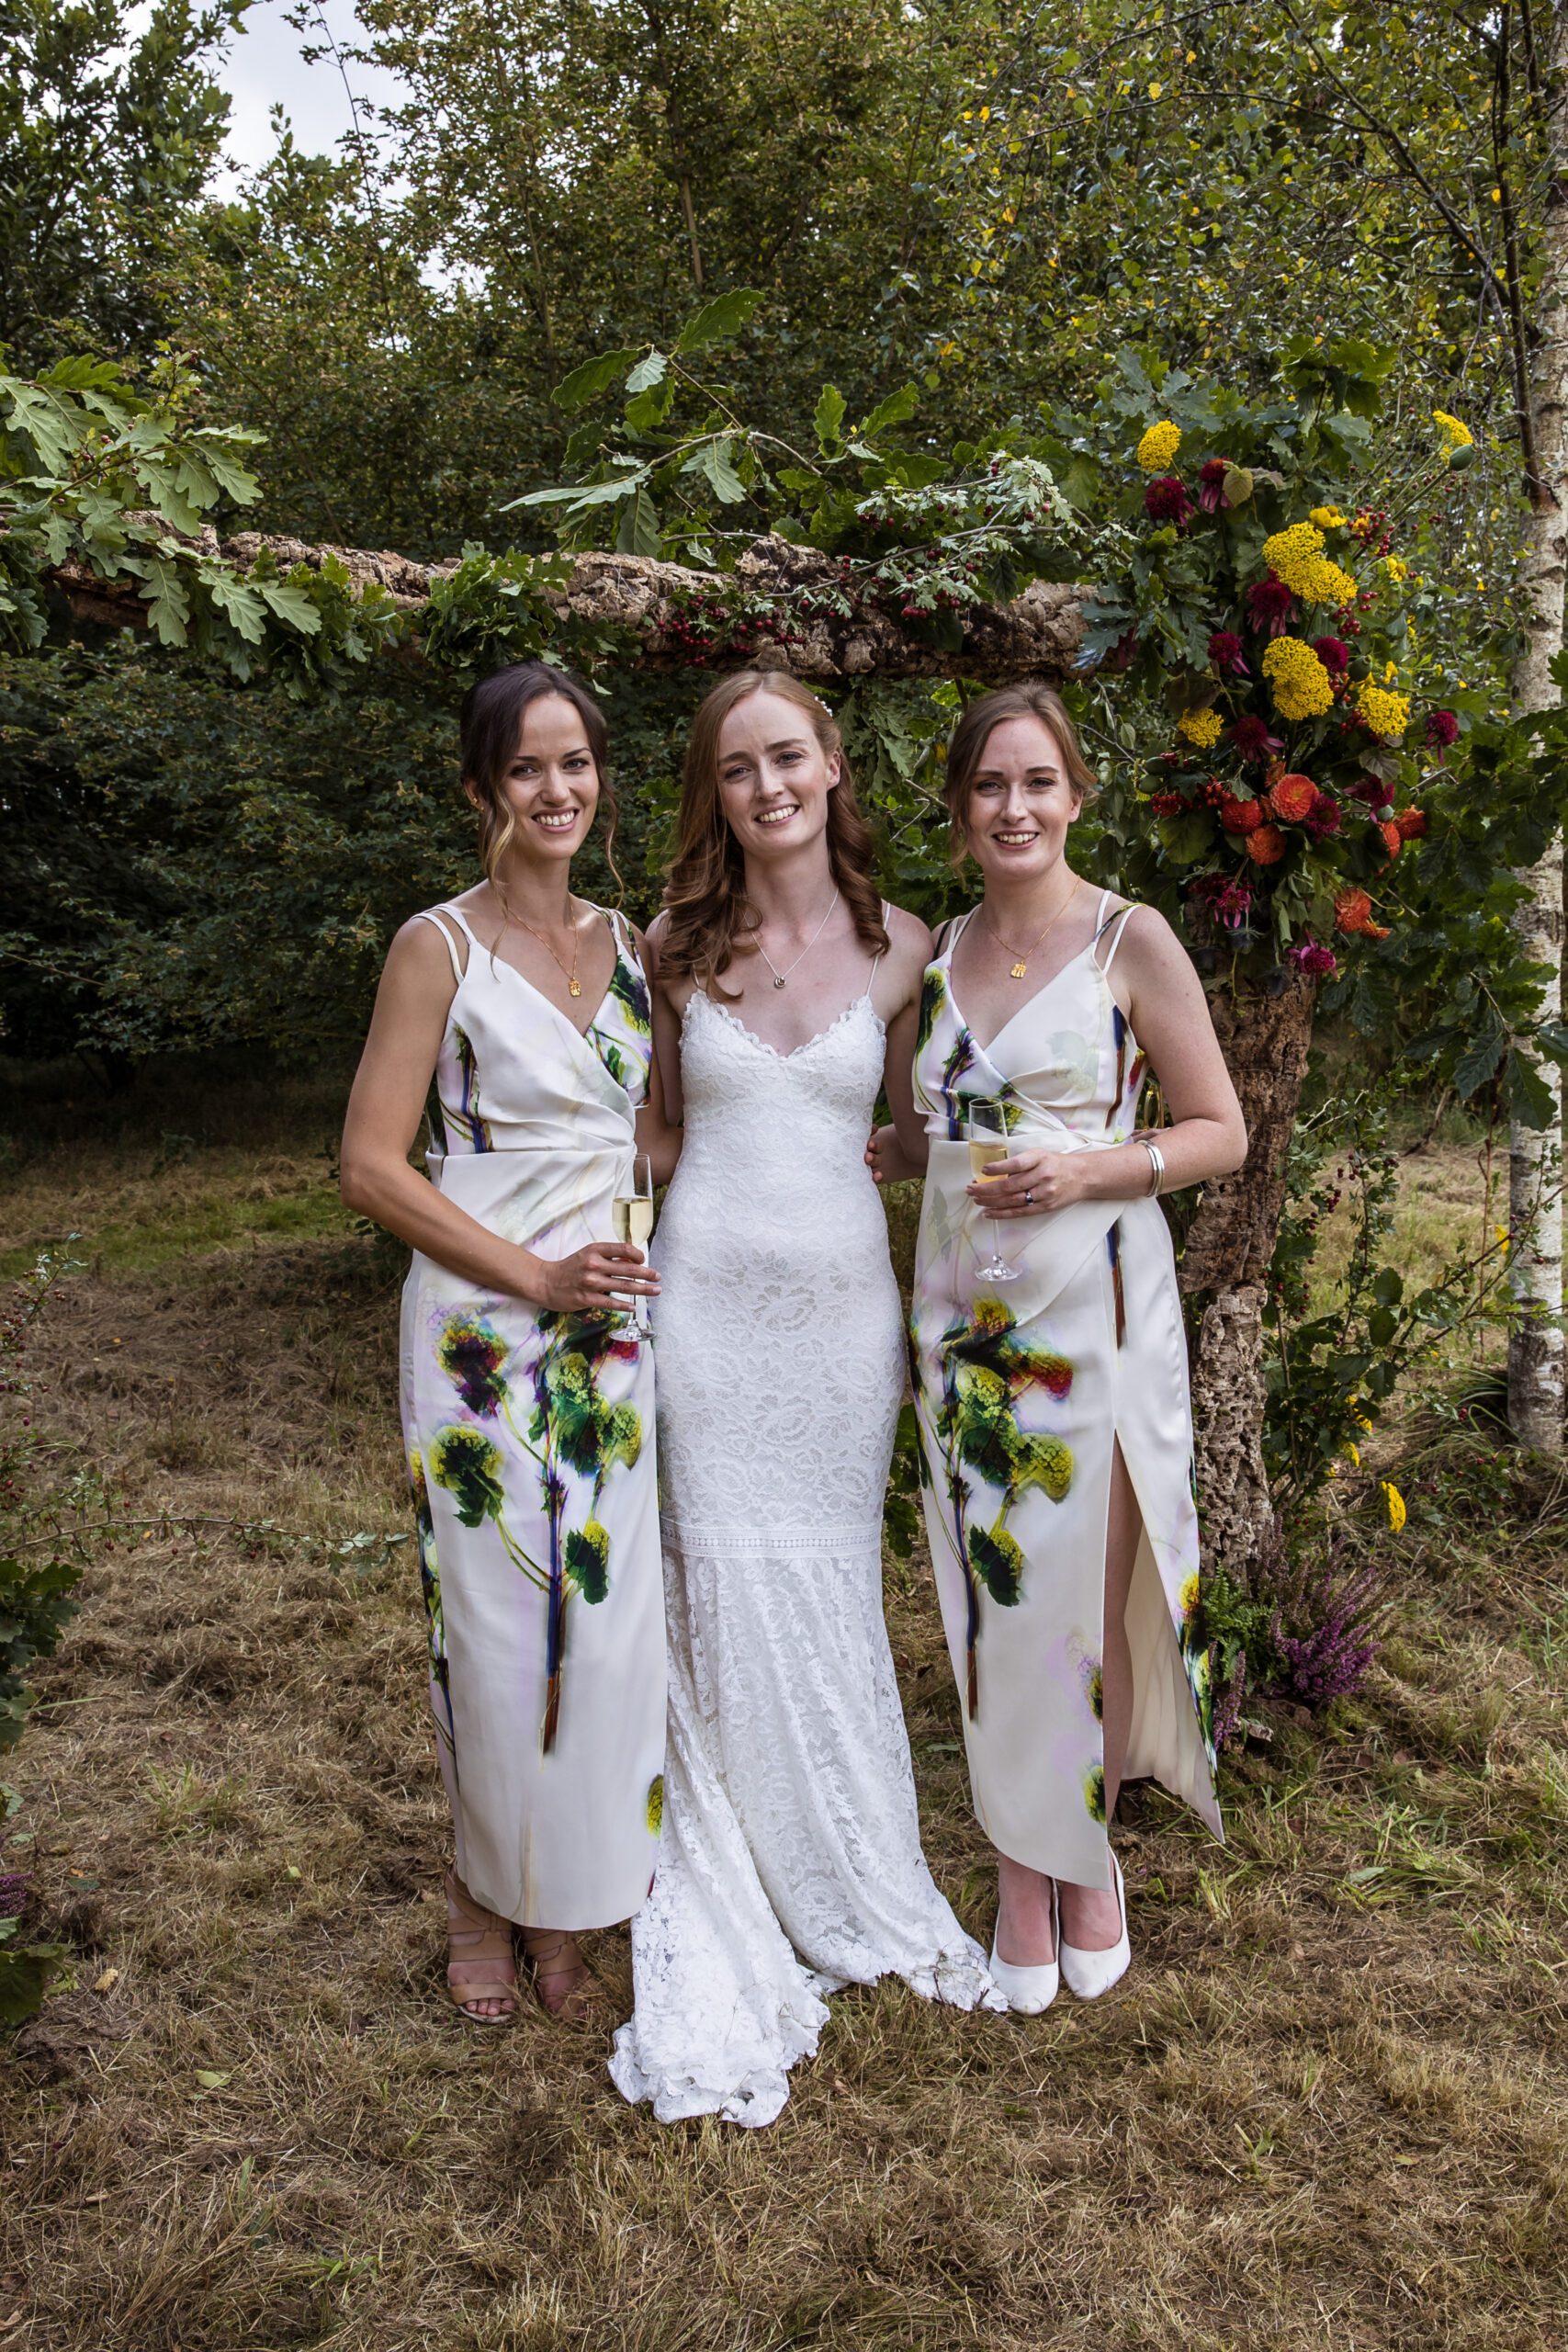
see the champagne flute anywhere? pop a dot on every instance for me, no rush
(634, 1222)
(987, 1129)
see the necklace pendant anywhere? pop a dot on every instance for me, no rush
(778, 984)
(1017, 972)
(575, 987)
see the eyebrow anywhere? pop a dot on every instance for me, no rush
(1035, 767)
(523, 752)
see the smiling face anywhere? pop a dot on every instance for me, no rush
(1022, 802)
(773, 776)
(550, 786)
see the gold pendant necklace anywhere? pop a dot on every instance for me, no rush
(571, 979)
(1023, 955)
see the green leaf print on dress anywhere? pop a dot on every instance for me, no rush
(986, 1370)
(574, 1438)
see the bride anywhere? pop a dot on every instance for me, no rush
(784, 995)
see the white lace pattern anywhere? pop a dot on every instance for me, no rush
(790, 1861)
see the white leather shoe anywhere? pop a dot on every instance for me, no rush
(1030, 1990)
(1091, 1973)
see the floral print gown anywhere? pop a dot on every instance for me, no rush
(531, 1454)
(1021, 1391)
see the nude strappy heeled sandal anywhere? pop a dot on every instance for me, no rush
(482, 1964)
(583, 2002)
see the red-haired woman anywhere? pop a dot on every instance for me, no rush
(786, 995)
(1051, 1369)
(527, 1397)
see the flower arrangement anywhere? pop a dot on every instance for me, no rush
(1274, 616)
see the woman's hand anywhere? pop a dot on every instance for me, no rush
(1036, 1183)
(887, 1159)
(604, 1275)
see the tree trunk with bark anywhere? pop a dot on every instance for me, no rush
(1535, 1154)
(1265, 1033)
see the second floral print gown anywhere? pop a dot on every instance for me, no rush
(791, 1859)
(1023, 1391)
(531, 1453)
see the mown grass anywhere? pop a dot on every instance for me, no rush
(1326, 2108)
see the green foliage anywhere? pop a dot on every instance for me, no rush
(108, 130)
(41, 1560)
(1332, 1367)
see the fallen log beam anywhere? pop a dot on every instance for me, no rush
(784, 608)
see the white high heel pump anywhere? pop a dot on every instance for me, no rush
(1029, 1990)
(1091, 1973)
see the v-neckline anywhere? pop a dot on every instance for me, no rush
(477, 948)
(806, 1044)
(1028, 1003)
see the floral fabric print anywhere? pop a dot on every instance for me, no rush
(1023, 1396)
(530, 1440)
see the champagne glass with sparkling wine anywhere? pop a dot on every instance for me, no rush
(634, 1222)
(987, 1129)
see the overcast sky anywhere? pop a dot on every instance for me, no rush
(264, 68)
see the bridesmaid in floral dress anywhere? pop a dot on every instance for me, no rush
(527, 1397)
(1051, 1402)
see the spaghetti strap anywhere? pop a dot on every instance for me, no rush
(1119, 920)
(433, 915)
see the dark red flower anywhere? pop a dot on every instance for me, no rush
(1324, 820)
(1250, 740)
(1308, 956)
(1212, 483)
(1370, 790)
(1225, 653)
(1443, 727)
(1270, 606)
(1333, 654)
(1123, 653)
(1166, 500)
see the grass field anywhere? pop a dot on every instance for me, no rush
(1328, 2108)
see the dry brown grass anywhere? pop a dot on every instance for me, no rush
(1328, 2108)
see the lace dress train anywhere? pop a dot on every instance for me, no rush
(790, 1860)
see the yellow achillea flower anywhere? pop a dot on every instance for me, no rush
(1354, 1450)
(1353, 1407)
(1396, 567)
(1454, 430)
(1397, 1514)
(1302, 686)
(1158, 446)
(1327, 518)
(1199, 727)
(1290, 554)
(1388, 715)
(1296, 557)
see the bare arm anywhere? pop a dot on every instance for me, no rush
(1163, 998)
(656, 1132)
(902, 1150)
(384, 1113)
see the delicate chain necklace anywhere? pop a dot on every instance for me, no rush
(1023, 953)
(780, 977)
(571, 979)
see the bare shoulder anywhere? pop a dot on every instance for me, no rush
(909, 938)
(1151, 957)
(650, 942)
(422, 947)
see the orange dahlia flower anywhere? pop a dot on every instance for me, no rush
(1294, 797)
(1266, 846)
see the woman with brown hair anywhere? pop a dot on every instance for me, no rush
(784, 996)
(1051, 1368)
(527, 1394)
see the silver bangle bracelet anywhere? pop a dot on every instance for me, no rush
(1157, 1167)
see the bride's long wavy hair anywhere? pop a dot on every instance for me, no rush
(711, 918)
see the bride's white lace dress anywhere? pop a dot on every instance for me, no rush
(790, 1860)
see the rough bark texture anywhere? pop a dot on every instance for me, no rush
(1535, 1155)
(1265, 1037)
(678, 619)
